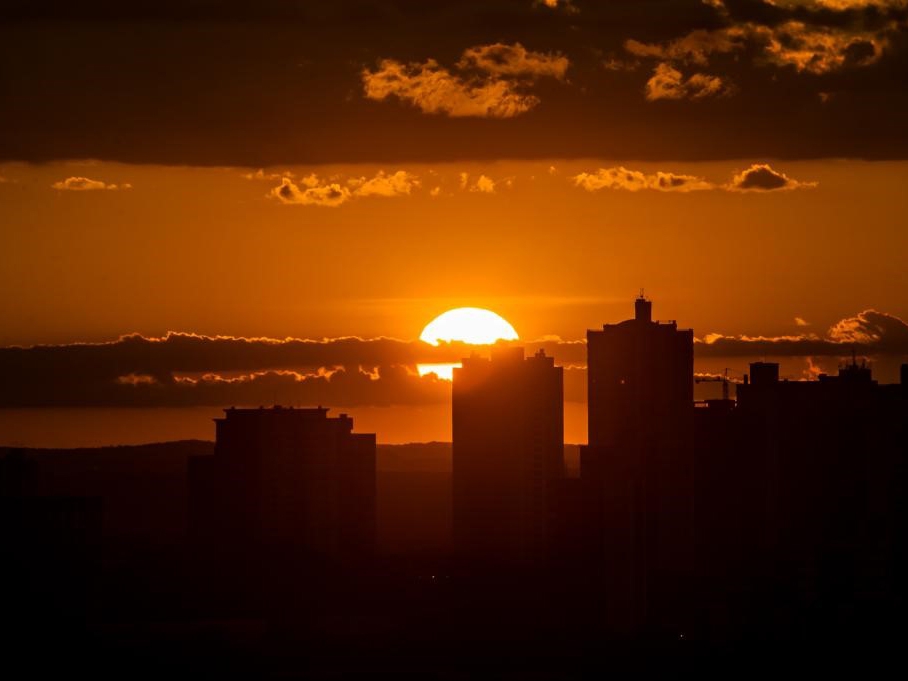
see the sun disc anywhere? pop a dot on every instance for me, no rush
(473, 325)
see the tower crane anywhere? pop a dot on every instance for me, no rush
(714, 379)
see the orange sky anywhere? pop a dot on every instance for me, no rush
(288, 192)
(554, 246)
(207, 251)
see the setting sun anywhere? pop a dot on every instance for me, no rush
(470, 325)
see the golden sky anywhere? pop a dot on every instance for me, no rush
(206, 250)
(322, 175)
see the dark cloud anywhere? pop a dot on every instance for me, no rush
(761, 177)
(485, 87)
(329, 194)
(285, 79)
(193, 370)
(668, 82)
(869, 333)
(187, 369)
(433, 89)
(514, 60)
(348, 387)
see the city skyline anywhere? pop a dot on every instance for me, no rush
(512, 338)
(164, 388)
(699, 522)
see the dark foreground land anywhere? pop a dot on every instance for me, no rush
(125, 593)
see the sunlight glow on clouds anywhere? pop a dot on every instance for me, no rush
(313, 191)
(669, 83)
(513, 60)
(758, 177)
(82, 184)
(328, 195)
(808, 48)
(634, 180)
(400, 183)
(484, 185)
(491, 83)
(839, 4)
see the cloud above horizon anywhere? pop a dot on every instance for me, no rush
(315, 191)
(808, 48)
(491, 82)
(84, 184)
(668, 82)
(182, 369)
(634, 180)
(759, 177)
(869, 333)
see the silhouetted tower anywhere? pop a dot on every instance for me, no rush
(635, 471)
(508, 452)
(290, 479)
(640, 377)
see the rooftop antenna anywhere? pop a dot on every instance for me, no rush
(641, 293)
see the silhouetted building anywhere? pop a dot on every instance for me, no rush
(725, 490)
(640, 377)
(832, 458)
(764, 373)
(286, 478)
(51, 549)
(636, 470)
(508, 454)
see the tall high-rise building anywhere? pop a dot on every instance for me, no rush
(285, 478)
(508, 454)
(635, 471)
(640, 375)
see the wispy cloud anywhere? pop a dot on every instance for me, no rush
(491, 81)
(633, 180)
(331, 193)
(807, 48)
(501, 59)
(668, 82)
(328, 195)
(400, 183)
(484, 185)
(759, 177)
(82, 184)
(839, 5)
(870, 332)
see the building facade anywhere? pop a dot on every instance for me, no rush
(636, 470)
(291, 479)
(508, 454)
